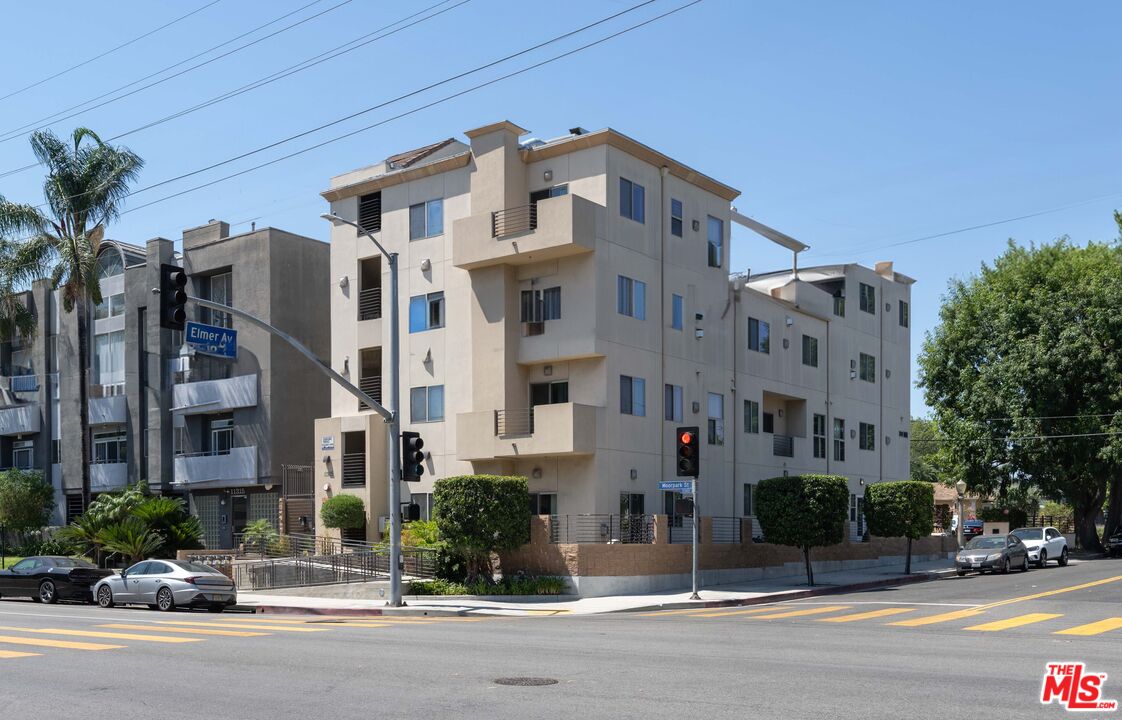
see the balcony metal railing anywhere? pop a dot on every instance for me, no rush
(514, 220)
(726, 529)
(372, 386)
(514, 422)
(354, 469)
(594, 529)
(783, 446)
(370, 304)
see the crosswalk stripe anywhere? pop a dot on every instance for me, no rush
(1095, 628)
(1018, 621)
(800, 613)
(345, 620)
(13, 654)
(933, 619)
(246, 626)
(100, 634)
(870, 615)
(726, 613)
(662, 613)
(45, 642)
(188, 631)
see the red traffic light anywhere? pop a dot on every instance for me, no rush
(685, 438)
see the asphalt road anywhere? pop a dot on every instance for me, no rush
(971, 647)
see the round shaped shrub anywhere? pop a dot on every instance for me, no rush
(343, 512)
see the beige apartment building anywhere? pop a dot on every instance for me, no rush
(567, 304)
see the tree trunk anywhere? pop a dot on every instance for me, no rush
(908, 562)
(1086, 533)
(1114, 509)
(809, 570)
(84, 397)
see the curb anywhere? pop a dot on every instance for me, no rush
(355, 612)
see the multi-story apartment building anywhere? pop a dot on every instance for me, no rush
(216, 430)
(566, 304)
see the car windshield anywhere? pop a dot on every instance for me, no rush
(1029, 533)
(194, 567)
(980, 543)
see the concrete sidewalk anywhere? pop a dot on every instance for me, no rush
(749, 593)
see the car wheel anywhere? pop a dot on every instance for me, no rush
(104, 597)
(1043, 559)
(215, 608)
(1005, 566)
(1063, 557)
(165, 602)
(960, 573)
(48, 593)
(1024, 564)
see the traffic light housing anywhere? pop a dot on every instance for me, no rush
(410, 512)
(689, 452)
(412, 458)
(173, 297)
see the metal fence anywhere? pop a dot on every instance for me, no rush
(1062, 523)
(726, 530)
(514, 220)
(681, 528)
(602, 528)
(514, 422)
(349, 567)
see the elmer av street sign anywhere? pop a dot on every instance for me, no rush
(212, 340)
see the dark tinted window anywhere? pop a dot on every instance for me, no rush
(194, 567)
(1029, 533)
(991, 541)
(157, 568)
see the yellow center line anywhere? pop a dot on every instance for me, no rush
(1049, 593)
(932, 619)
(14, 654)
(725, 613)
(800, 613)
(1095, 628)
(189, 631)
(246, 626)
(44, 642)
(1018, 621)
(886, 612)
(99, 634)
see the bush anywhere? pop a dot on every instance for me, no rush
(900, 509)
(1016, 517)
(507, 586)
(26, 500)
(943, 516)
(803, 511)
(420, 533)
(37, 545)
(343, 512)
(478, 515)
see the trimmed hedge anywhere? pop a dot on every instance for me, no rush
(343, 512)
(901, 509)
(478, 515)
(803, 511)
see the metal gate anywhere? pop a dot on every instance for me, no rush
(298, 497)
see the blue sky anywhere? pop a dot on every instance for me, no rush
(855, 127)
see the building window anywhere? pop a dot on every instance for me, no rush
(541, 305)
(110, 306)
(839, 304)
(868, 299)
(110, 264)
(751, 416)
(110, 446)
(819, 436)
(220, 289)
(810, 351)
(221, 435)
(759, 335)
(631, 297)
(426, 404)
(677, 311)
(56, 452)
(839, 439)
(370, 212)
(749, 500)
(109, 358)
(632, 200)
(426, 219)
(426, 312)
(769, 422)
(716, 419)
(672, 399)
(905, 314)
(632, 395)
(675, 217)
(868, 368)
(866, 436)
(716, 231)
(23, 454)
(424, 500)
(631, 504)
(549, 192)
(543, 504)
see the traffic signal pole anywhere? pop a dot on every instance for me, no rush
(694, 538)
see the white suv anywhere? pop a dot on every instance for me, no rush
(1044, 544)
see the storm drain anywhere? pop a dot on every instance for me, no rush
(525, 681)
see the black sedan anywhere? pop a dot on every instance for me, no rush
(1114, 544)
(48, 579)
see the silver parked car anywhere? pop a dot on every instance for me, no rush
(1044, 544)
(996, 553)
(167, 584)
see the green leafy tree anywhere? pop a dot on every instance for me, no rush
(343, 512)
(26, 500)
(86, 185)
(478, 515)
(927, 463)
(901, 509)
(1024, 373)
(804, 511)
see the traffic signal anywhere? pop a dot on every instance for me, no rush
(411, 512)
(689, 456)
(412, 459)
(173, 297)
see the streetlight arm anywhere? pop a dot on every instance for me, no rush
(335, 219)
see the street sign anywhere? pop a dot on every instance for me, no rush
(682, 486)
(327, 442)
(212, 340)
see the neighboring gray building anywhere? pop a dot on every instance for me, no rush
(185, 423)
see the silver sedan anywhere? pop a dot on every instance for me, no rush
(167, 584)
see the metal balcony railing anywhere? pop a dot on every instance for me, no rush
(354, 469)
(514, 220)
(514, 422)
(783, 446)
(370, 304)
(372, 386)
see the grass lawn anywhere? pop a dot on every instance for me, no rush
(9, 561)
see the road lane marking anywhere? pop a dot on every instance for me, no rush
(870, 615)
(246, 626)
(933, 619)
(99, 634)
(4, 654)
(67, 644)
(1019, 621)
(725, 613)
(1049, 593)
(1095, 628)
(799, 613)
(189, 631)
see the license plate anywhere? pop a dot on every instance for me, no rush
(977, 564)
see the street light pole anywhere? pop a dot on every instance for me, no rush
(960, 486)
(393, 423)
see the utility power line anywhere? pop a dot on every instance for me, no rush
(1017, 438)
(125, 44)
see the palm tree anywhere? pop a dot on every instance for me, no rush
(86, 184)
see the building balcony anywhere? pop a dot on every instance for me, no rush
(546, 230)
(113, 410)
(783, 446)
(212, 396)
(105, 477)
(239, 466)
(544, 430)
(19, 419)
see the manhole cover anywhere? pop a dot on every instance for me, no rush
(525, 681)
